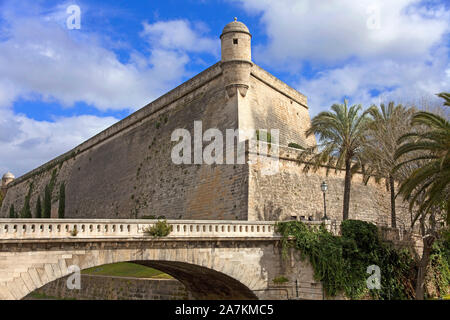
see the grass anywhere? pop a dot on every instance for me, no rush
(126, 269)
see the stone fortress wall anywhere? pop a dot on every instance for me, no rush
(294, 194)
(96, 287)
(126, 171)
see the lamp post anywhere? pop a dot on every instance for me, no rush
(324, 188)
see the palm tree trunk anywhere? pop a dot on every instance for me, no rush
(347, 186)
(422, 268)
(393, 215)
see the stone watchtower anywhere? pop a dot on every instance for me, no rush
(6, 179)
(234, 93)
(236, 60)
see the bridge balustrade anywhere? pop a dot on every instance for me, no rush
(97, 228)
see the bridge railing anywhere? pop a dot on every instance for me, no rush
(100, 228)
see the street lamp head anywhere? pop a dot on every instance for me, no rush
(324, 186)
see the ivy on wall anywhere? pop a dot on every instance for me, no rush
(340, 262)
(439, 268)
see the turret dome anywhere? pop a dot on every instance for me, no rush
(8, 175)
(235, 26)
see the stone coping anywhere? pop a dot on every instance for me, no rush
(135, 221)
(49, 229)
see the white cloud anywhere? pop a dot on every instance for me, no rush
(405, 58)
(40, 57)
(26, 143)
(180, 35)
(41, 60)
(332, 31)
(401, 82)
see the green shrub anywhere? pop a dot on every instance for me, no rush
(74, 231)
(160, 229)
(295, 145)
(151, 217)
(12, 213)
(280, 280)
(26, 210)
(340, 262)
(62, 201)
(47, 202)
(440, 266)
(260, 137)
(38, 208)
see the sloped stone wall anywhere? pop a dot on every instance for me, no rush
(95, 287)
(292, 193)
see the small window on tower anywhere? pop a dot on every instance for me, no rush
(235, 41)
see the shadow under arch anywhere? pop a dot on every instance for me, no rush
(203, 283)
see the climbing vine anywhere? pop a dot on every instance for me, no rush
(340, 262)
(440, 266)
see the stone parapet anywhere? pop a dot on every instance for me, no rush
(110, 228)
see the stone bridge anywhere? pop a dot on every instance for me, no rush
(213, 259)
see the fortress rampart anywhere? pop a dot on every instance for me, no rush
(126, 171)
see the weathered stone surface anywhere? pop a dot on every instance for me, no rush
(126, 171)
(95, 287)
(209, 269)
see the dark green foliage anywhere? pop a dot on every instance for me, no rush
(48, 195)
(47, 202)
(160, 229)
(62, 201)
(53, 180)
(26, 210)
(151, 217)
(162, 217)
(295, 145)
(280, 280)
(2, 196)
(12, 213)
(264, 136)
(340, 262)
(440, 266)
(38, 208)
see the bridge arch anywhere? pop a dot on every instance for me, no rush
(208, 272)
(240, 259)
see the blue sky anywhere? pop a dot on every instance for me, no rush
(58, 86)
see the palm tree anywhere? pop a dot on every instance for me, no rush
(387, 125)
(341, 136)
(428, 186)
(433, 178)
